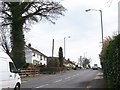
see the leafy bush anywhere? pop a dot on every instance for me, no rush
(111, 63)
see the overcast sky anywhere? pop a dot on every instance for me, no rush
(83, 27)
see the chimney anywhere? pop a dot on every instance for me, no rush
(29, 45)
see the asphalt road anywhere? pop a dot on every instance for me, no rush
(69, 79)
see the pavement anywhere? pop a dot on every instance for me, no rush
(98, 83)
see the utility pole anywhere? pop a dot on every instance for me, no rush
(64, 45)
(52, 48)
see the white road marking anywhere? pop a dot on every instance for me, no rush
(72, 76)
(100, 73)
(99, 76)
(42, 85)
(89, 86)
(24, 81)
(75, 75)
(68, 78)
(58, 81)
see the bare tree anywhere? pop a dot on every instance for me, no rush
(4, 41)
(86, 62)
(109, 2)
(20, 15)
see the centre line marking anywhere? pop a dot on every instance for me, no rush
(68, 78)
(42, 85)
(89, 87)
(58, 81)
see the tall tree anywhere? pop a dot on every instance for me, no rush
(20, 15)
(61, 57)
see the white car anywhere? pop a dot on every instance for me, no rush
(95, 68)
(9, 77)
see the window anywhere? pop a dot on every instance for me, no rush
(12, 67)
(34, 54)
(40, 57)
(37, 55)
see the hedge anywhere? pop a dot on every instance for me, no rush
(111, 63)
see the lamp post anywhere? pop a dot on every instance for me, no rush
(101, 20)
(64, 45)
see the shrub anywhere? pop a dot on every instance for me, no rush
(111, 63)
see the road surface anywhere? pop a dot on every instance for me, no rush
(69, 79)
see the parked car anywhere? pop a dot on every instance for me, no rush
(9, 77)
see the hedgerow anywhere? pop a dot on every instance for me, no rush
(111, 63)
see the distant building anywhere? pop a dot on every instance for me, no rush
(34, 56)
(69, 63)
(66, 63)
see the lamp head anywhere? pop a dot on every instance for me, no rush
(69, 36)
(87, 10)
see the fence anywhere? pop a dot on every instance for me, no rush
(27, 72)
(47, 70)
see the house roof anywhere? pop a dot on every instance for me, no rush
(68, 61)
(35, 50)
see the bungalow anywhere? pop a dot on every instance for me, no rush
(69, 63)
(34, 56)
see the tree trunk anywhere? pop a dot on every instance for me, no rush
(17, 36)
(17, 41)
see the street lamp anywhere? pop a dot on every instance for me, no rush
(101, 20)
(64, 45)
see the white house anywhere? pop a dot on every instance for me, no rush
(34, 56)
(69, 63)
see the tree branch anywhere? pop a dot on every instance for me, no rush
(25, 6)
